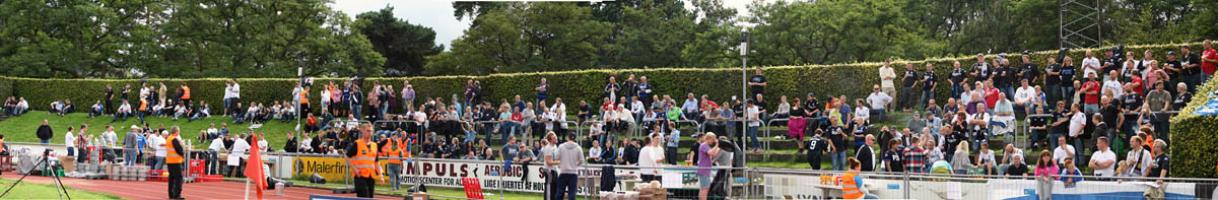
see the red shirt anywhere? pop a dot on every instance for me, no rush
(1140, 88)
(991, 96)
(1091, 86)
(1206, 66)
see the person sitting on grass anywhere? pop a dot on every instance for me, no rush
(123, 111)
(94, 111)
(204, 111)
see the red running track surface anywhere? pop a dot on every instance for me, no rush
(158, 190)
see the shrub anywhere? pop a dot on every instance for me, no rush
(1192, 138)
(853, 80)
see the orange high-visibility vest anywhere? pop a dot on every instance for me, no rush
(143, 105)
(393, 151)
(364, 162)
(173, 157)
(185, 92)
(304, 97)
(850, 188)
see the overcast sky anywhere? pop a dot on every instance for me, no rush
(438, 14)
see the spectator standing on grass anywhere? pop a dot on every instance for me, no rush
(232, 94)
(892, 161)
(1161, 164)
(1078, 121)
(956, 79)
(878, 101)
(929, 82)
(1063, 150)
(886, 77)
(44, 132)
(908, 81)
(650, 158)
(571, 159)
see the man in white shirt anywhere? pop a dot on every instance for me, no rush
(690, 107)
(160, 150)
(213, 154)
(1103, 160)
(1062, 151)
(237, 155)
(69, 140)
(232, 93)
(560, 110)
(1091, 64)
(886, 77)
(1023, 97)
(752, 114)
(878, 101)
(1113, 85)
(650, 158)
(1077, 121)
(109, 138)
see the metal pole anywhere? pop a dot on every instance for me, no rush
(744, 90)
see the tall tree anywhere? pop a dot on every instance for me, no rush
(405, 46)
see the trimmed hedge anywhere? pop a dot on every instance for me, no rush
(1193, 138)
(853, 80)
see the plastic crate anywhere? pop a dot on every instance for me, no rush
(197, 168)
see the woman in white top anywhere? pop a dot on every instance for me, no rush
(784, 108)
(650, 158)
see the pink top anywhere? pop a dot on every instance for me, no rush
(1050, 171)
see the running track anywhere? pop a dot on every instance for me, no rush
(158, 190)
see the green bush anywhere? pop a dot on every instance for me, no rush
(853, 80)
(1192, 148)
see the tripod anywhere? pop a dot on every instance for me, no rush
(58, 183)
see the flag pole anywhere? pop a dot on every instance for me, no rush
(247, 189)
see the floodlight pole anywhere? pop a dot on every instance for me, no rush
(744, 89)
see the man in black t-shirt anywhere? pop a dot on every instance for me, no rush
(1111, 63)
(981, 69)
(1174, 69)
(929, 82)
(757, 83)
(957, 77)
(1191, 64)
(816, 148)
(951, 140)
(907, 84)
(1029, 71)
(1052, 80)
(1039, 124)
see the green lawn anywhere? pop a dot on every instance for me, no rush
(22, 128)
(27, 190)
(435, 192)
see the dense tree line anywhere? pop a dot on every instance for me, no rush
(268, 38)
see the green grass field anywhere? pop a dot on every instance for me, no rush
(27, 190)
(22, 128)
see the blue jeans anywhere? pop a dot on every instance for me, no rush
(956, 90)
(44, 141)
(1067, 93)
(568, 185)
(157, 162)
(392, 171)
(753, 142)
(506, 129)
(129, 157)
(839, 160)
(927, 95)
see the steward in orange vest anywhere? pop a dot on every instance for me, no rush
(362, 158)
(174, 158)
